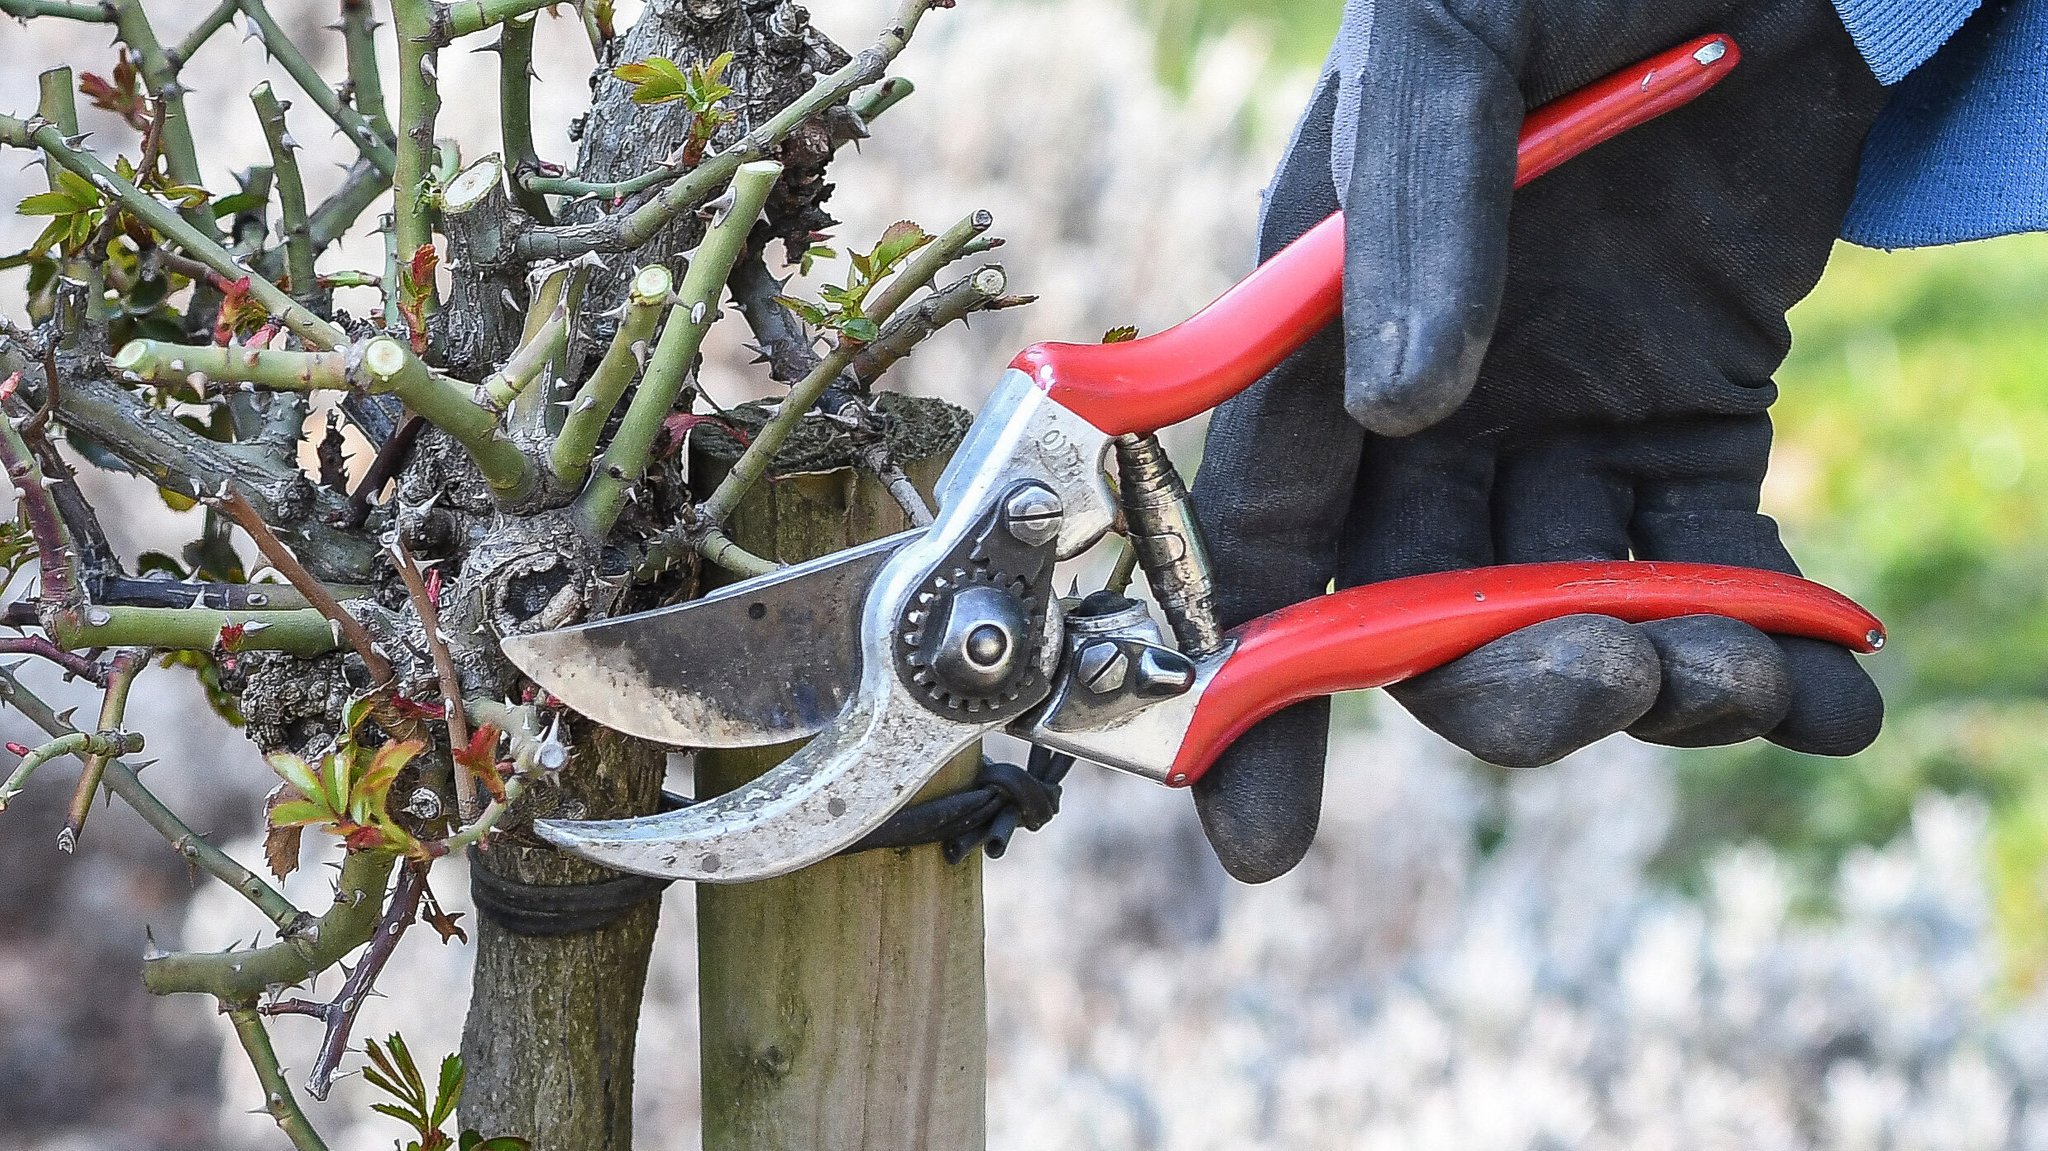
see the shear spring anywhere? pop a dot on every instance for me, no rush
(1168, 543)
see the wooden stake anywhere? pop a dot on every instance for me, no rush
(843, 1007)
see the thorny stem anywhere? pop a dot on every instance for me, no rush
(373, 147)
(515, 113)
(982, 290)
(202, 32)
(45, 135)
(302, 632)
(391, 366)
(337, 214)
(72, 663)
(278, 1100)
(23, 9)
(123, 782)
(391, 459)
(275, 369)
(54, 550)
(924, 267)
(340, 1016)
(444, 668)
(632, 229)
(366, 86)
(675, 353)
(646, 300)
(464, 17)
(316, 593)
(419, 106)
(160, 75)
(125, 666)
(291, 194)
(880, 98)
(76, 743)
(248, 972)
(526, 363)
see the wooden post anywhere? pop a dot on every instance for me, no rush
(843, 1007)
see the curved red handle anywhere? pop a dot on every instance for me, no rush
(1144, 385)
(1386, 632)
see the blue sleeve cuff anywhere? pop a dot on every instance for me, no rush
(1897, 36)
(1961, 149)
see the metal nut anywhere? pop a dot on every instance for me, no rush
(1102, 667)
(1032, 514)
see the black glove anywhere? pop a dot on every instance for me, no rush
(1585, 377)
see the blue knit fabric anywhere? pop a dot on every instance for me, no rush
(1961, 151)
(1897, 36)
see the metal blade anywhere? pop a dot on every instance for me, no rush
(765, 661)
(841, 786)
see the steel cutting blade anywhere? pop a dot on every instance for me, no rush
(765, 661)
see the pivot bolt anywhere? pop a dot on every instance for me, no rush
(1103, 667)
(1032, 514)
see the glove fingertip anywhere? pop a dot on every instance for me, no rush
(1261, 802)
(1837, 709)
(1403, 374)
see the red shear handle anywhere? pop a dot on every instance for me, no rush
(1147, 384)
(1387, 632)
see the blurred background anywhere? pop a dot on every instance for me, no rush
(1636, 948)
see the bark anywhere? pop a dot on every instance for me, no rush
(777, 56)
(552, 1020)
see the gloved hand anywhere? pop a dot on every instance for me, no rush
(1580, 371)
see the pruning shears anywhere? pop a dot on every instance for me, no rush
(897, 655)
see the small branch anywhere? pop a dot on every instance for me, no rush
(24, 9)
(365, 84)
(924, 267)
(160, 76)
(526, 363)
(675, 354)
(158, 446)
(340, 1017)
(160, 218)
(278, 1101)
(465, 17)
(515, 113)
(125, 666)
(339, 212)
(302, 632)
(123, 782)
(713, 544)
(880, 98)
(780, 338)
(391, 459)
(391, 366)
(429, 611)
(632, 229)
(247, 973)
(291, 195)
(574, 449)
(419, 106)
(241, 597)
(980, 291)
(202, 32)
(374, 148)
(54, 551)
(275, 369)
(316, 593)
(76, 743)
(72, 663)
